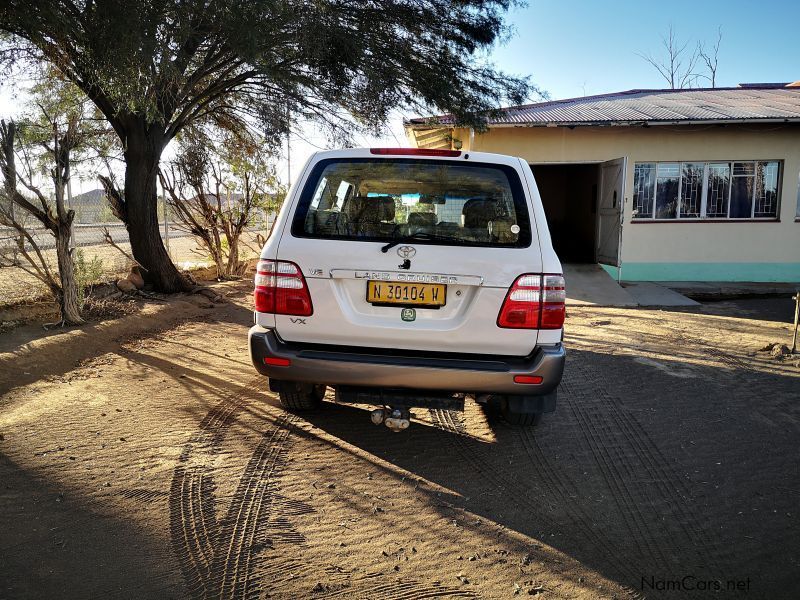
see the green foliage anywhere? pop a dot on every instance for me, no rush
(87, 273)
(55, 103)
(104, 214)
(219, 183)
(154, 68)
(173, 62)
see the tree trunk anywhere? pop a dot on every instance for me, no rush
(233, 256)
(68, 297)
(144, 145)
(216, 253)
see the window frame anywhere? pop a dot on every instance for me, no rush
(702, 217)
(520, 198)
(797, 213)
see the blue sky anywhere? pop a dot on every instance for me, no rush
(566, 46)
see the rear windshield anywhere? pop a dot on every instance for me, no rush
(436, 202)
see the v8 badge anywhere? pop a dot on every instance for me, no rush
(408, 314)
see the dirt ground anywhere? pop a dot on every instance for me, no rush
(142, 457)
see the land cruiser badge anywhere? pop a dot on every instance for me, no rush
(408, 314)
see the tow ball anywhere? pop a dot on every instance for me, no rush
(396, 419)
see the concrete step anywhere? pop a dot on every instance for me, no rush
(590, 285)
(647, 293)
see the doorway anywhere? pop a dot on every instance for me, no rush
(569, 196)
(583, 204)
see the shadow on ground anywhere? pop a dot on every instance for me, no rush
(55, 545)
(685, 477)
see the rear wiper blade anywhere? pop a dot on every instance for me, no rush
(420, 235)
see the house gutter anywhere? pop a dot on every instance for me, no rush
(609, 124)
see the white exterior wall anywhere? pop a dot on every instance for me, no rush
(679, 251)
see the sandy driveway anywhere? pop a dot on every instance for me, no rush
(143, 458)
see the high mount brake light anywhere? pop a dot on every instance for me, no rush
(414, 152)
(281, 289)
(534, 301)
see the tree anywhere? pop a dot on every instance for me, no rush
(155, 67)
(40, 153)
(711, 59)
(215, 184)
(57, 222)
(678, 66)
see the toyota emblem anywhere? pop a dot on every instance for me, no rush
(406, 251)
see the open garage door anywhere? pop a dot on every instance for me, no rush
(609, 213)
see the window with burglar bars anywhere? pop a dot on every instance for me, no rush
(706, 190)
(797, 214)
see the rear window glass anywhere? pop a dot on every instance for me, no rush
(436, 202)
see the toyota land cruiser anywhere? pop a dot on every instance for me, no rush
(409, 278)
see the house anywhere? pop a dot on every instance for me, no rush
(659, 185)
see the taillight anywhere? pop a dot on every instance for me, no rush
(534, 302)
(523, 304)
(281, 289)
(414, 152)
(554, 301)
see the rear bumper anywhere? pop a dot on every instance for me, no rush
(332, 365)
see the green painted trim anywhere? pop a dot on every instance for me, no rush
(750, 272)
(610, 270)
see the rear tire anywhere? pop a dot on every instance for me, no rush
(522, 419)
(298, 397)
(514, 413)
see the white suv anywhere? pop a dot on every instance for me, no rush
(411, 278)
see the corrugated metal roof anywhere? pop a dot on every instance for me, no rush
(634, 107)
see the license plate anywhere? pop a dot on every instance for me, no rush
(413, 294)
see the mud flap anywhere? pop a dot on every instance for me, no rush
(532, 404)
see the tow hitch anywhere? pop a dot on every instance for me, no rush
(397, 403)
(396, 419)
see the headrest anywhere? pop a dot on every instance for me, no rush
(325, 220)
(371, 209)
(422, 219)
(501, 230)
(478, 212)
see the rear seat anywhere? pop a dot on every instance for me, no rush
(477, 213)
(369, 216)
(421, 222)
(327, 221)
(482, 223)
(501, 231)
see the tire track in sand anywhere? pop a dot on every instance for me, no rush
(197, 536)
(193, 524)
(496, 475)
(255, 550)
(614, 436)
